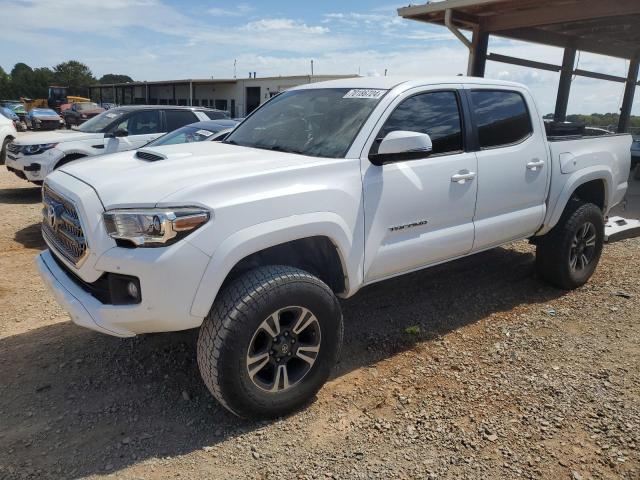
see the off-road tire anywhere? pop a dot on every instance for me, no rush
(235, 316)
(554, 250)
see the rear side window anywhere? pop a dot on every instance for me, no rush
(179, 118)
(502, 118)
(215, 115)
(434, 113)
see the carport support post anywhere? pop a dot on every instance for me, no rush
(564, 88)
(478, 53)
(629, 93)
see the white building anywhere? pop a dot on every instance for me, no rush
(239, 96)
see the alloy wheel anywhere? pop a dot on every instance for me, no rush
(283, 349)
(583, 247)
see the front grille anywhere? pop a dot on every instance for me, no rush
(13, 148)
(49, 124)
(61, 226)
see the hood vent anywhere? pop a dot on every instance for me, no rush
(149, 156)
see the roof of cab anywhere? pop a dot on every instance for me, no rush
(387, 83)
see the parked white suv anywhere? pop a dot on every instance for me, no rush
(7, 134)
(33, 157)
(324, 189)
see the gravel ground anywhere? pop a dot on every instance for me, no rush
(465, 371)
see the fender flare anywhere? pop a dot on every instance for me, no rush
(275, 232)
(572, 183)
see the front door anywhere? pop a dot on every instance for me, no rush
(512, 167)
(142, 127)
(420, 212)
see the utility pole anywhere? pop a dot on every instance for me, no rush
(312, 68)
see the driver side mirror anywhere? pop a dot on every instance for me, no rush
(401, 146)
(121, 132)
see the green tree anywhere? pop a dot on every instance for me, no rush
(115, 78)
(5, 84)
(22, 81)
(74, 75)
(41, 79)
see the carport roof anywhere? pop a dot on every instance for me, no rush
(607, 27)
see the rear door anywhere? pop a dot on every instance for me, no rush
(176, 119)
(513, 170)
(419, 212)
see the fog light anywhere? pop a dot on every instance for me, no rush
(132, 290)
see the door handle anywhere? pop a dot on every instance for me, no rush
(463, 176)
(535, 164)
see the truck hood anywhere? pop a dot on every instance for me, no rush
(57, 136)
(124, 180)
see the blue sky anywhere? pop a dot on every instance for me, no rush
(166, 39)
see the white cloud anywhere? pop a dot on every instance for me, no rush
(237, 11)
(284, 24)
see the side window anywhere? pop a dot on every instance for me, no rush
(502, 117)
(214, 115)
(179, 118)
(436, 114)
(142, 123)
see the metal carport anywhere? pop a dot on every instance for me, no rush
(606, 27)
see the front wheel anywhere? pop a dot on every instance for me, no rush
(270, 341)
(568, 255)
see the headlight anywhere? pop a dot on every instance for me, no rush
(154, 227)
(35, 149)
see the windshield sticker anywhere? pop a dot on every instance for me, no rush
(204, 133)
(365, 93)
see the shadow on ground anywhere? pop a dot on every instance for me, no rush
(28, 195)
(77, 403)
(31, 237)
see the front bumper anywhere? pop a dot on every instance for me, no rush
(169, 278)
(33, 167)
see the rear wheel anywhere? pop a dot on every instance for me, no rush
(270, 342)
(568, 255)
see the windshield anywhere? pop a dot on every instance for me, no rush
(42, 111)
(186, 134)
(87, 106)
(316, 122)
(99, 123)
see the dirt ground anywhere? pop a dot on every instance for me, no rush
(472, 370)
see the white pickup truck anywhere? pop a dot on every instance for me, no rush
(324, 189)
